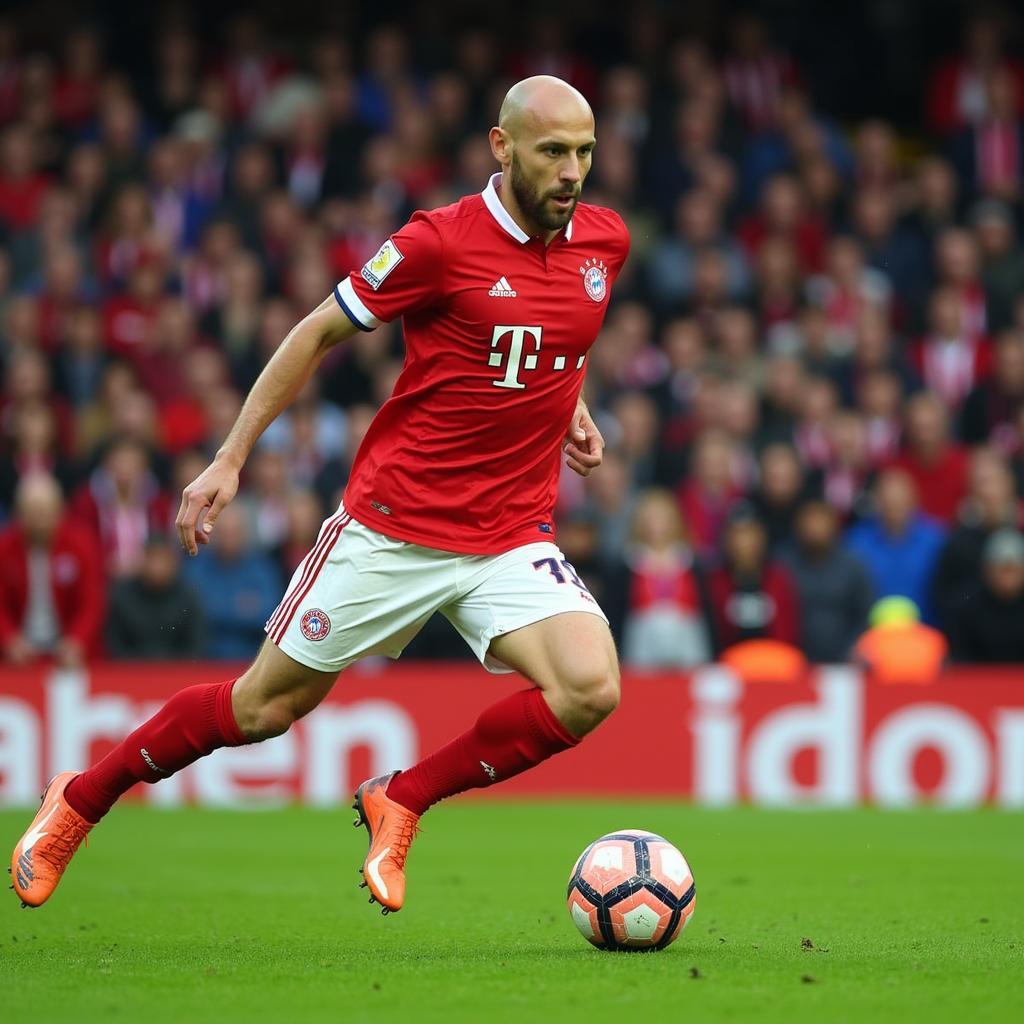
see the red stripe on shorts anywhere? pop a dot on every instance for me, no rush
(307, 565)
(300, 594)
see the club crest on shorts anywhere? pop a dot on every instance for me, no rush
(315, 624)
(595, 279)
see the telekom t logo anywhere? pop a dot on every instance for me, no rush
(515, 354)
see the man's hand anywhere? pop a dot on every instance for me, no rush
(212, 490)
(69, 653)
(19, 651)
(584, 445)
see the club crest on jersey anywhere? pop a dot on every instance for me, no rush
(315, 624)
(595, 279)
(379, 266)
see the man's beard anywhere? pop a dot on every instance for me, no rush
(533, 205)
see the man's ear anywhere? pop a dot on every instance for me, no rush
(501, 145)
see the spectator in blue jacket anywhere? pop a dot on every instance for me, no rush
(238, 587)
(898, 544)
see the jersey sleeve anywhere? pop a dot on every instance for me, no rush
(403, 276)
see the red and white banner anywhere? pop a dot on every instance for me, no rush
(830, 741)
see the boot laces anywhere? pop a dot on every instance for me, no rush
(405, 832)
(62, 845)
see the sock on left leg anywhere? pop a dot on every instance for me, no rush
(194, 722)
(509, 737)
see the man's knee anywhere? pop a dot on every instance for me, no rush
(593, 691)
(270, 697)
(261, 718)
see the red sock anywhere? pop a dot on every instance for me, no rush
(509, 737)
(194, 722)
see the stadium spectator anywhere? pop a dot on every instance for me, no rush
(305, 513)
(311, 436)
(265, 500)
(935, 463)
(934, 200)
(710, 489)
(845, 289)
(668, 606)
(755, 73)
(892, 248)
(782, 487)
(956, 92)
(123, 504)
(636, 415)
(898, 545)
(985, 624)
(833, 587)
(611, 499)
(875, 349)
(848, 469)
(672, 266)
(33, 449)
(879, 399)
(22, 185)
(991, 408)
(81, 361)
(782, 216)
(992, 504)
(238, 587)
(950, 359)
(1002, 261)
(52, 592)
(155, 614)
(957, 263)
(989, 154)
(752, 594)
(818, 404)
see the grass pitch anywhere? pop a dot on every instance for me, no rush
(193, 916)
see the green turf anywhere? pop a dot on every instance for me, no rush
(200, 916)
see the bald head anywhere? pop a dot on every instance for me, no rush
(39, 504)
(543, 140)
(543, 102)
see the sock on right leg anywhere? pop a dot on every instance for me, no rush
(192, 724)
(508, 738)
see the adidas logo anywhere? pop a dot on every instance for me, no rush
(502, 289)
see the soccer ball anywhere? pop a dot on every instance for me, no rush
(631, 890)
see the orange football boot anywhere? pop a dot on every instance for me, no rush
(391, 828)
(46, 849)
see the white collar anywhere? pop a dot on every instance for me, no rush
(504, 218)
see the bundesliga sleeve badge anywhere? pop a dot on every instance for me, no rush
(380, 265)
(595, 275)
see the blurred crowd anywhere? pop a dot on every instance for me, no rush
(810, 378)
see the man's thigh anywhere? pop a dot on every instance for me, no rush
(558, 649)
(274, 676)
(533, 594)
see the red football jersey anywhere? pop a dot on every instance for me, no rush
(465, 454)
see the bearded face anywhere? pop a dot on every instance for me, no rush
(539, 206)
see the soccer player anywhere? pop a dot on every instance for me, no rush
(448, 507)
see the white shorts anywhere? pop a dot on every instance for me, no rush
(359, 593)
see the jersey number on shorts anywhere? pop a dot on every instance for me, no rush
(561, 570)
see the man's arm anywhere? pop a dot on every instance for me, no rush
(281, 380)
